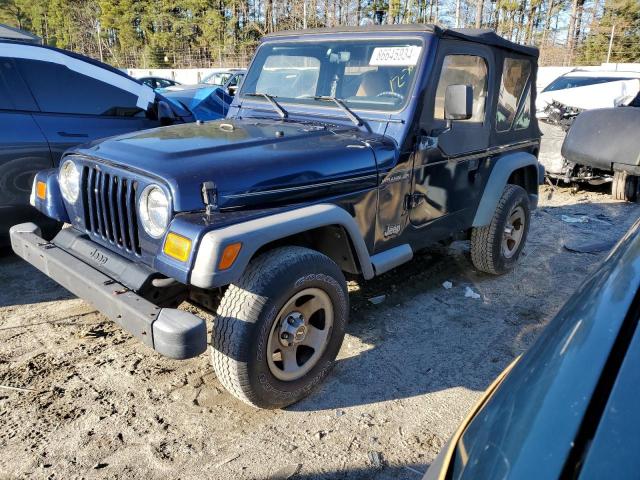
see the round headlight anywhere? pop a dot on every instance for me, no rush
(69, 180)
(154, 211)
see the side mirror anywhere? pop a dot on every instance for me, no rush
(458, 102)
(165, 114)
(232, 90)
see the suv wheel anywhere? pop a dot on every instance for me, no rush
(279, 328)
(624, 186)
(496, 247)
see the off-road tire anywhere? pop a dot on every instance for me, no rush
(486, 242)
(247, 312)
(624, 187)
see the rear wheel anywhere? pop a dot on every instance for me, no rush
(279, 328)
(495, 248)
(624, 187)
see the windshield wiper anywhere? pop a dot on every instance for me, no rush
(352, 116)
(271, 99)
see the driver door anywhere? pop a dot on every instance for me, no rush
(447, 160)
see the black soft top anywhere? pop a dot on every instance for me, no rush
(479, 35)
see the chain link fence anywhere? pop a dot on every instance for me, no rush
(553, 45)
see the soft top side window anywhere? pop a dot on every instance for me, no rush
(515, 77)
(524, 117)
(463, 70)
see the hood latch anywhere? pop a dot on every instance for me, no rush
(210, 197)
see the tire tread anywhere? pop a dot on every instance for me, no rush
(483, 238)
(229, 336)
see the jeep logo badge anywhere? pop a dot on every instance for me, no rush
(392, 230)
(99, 257)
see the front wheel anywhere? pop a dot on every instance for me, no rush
(279, 328)
(495, 248)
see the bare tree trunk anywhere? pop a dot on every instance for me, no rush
(479, 9)
(547, 22)
(531, 23)
(572, 24)
(579, 16)
(268, 15)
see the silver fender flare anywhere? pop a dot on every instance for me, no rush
(256, 233)
(502, 170)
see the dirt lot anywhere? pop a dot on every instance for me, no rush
(100, 405)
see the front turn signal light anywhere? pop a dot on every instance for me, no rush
(177, 246)
(41, 190)
(229, 255)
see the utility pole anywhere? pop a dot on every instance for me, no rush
(457, 13)
(613, 31)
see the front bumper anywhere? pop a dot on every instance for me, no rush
(171, 332)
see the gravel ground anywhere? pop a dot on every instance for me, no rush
(98, 404)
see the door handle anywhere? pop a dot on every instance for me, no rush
(73, 135)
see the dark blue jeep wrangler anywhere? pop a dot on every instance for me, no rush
(345, 151)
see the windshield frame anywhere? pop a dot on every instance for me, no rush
(304, 107)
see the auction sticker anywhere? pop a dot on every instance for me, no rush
(395, 56)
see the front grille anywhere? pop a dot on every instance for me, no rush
(110, 208)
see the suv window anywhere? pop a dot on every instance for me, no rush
(162, 83)
(515, 76)
(14, 94)
(463, 70)
(216, 78)
(233, 82)
(568, 81)
(57, 89)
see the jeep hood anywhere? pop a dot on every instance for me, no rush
(253, 162)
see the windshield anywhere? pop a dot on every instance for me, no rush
(562, 83)
(366, 75)
(217, 78)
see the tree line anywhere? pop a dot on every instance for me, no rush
(201, 33)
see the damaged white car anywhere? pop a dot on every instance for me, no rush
(606, 143)
(557, 110)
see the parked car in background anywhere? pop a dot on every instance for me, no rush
(570, 86)
(205, 103)
(604, 144)
(51, 100)
(568, 408)
(345, 151)
(229, 80)
(157, 82)
(564, 100)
